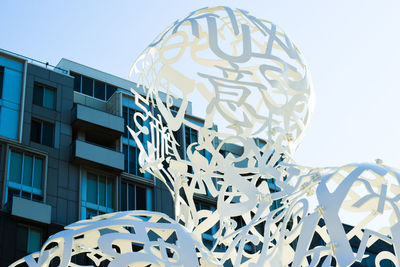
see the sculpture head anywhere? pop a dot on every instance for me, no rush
(241, 72)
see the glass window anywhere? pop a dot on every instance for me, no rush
(37, 174)
(98, 197)
(77, 81)
(15, 167)
(125, 116)
(37, 94)
(91, 188)
(22, 238)
(92, 87)
(110, 90)
(140, 198)
(135, 197)
(42, 132)
(24, 176)
(191, 136)
(29, 239)
(1, 80)
(36, 131)
(131, 157)
(128, 115)
(87, 86)
(49, 98)
(28, 167)
(44, 96)
(99, 90)
(47, 134)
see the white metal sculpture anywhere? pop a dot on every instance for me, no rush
(269, 211)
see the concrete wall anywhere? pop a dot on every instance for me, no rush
(62, 177)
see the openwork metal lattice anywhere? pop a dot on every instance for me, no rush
(269, 211)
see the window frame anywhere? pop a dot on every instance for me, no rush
(45, 87)
(14, 185)
(148, 195)
(127, 162)
(42, 123)
(86, 205)
(30, 228)
(109, 89)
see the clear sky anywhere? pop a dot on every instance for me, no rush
(351, 46)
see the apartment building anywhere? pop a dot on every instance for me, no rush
(65, 152)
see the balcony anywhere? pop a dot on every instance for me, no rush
(94, 120)
(88, 153)
(31, 210)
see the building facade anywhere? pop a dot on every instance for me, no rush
(65, 152)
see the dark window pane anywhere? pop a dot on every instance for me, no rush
(99, 90)
(22, 238)
(139, 173)
(131, 197)
(123, 196)
(48, 132)
(131, 120)
(125, 150)
(87, 86)
(132, 160)
(49, 98)
(110, 90)
(125, 115)
(15, 167)
(77, 81)
(38, 94)
(1, 80)
(36, 131)
(140, 198)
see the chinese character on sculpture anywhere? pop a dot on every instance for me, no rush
(251, 85)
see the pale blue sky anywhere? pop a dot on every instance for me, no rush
(352, 49)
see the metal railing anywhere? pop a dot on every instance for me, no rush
(36, 62)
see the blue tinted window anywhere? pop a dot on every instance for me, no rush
(48, 132)
(38, 94)
(24, 177)
(91, 188)
(44, 96)
(36, 130)
(42, 132)
(37, 176)
(34, 240)
(77, 81)
(49, 97)
(134, 197)
(27, 172)
(110, 90)
(87, 86)
(15, 167)
(99, 90)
